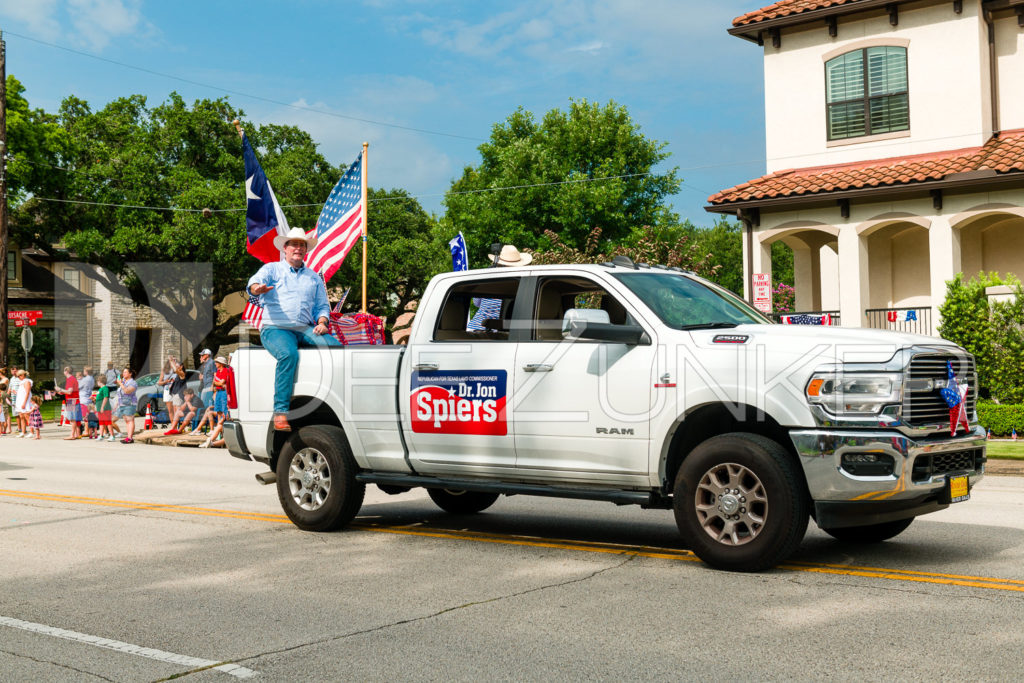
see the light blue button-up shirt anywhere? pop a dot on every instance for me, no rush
(298, 298)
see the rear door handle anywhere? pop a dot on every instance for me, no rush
(538, 367)
(425, 367)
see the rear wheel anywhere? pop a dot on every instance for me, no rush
(462, 502)
(316, 479)
(870, 533)
(740, 503)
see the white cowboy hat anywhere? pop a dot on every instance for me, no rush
(510, 256)
(295, 234)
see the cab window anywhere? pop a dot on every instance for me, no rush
(557, 295)
(477, 310)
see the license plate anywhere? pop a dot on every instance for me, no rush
(959, 488)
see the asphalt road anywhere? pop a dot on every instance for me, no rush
(139, 563)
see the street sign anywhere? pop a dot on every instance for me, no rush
(762, 292)
(27, 339)
(24, 315)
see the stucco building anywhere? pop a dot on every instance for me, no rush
(895, 152)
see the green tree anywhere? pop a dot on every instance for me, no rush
(556, 158)
(966, 320)
(176, 156)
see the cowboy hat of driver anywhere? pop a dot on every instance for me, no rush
(295, 234)
(510, 256)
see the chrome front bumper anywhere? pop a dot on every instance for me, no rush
(839, 496)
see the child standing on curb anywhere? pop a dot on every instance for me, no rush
(35, 419)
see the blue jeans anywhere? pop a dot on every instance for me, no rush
(283, 344)
(206, 396)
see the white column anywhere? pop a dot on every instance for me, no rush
(854, 281)
(944, 262)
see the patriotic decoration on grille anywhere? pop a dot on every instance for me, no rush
(955, 396)
(264, 219)
(807, 319)
(340, 223)
(253, 313)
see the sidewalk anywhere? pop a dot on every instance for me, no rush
(154, 437)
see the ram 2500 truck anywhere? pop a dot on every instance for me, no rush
(629, 384)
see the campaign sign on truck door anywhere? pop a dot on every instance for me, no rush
(459, 402)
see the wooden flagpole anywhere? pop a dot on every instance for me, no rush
(366, 212)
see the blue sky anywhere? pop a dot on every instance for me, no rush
(453, 67)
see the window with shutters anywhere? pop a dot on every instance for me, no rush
(866, 92)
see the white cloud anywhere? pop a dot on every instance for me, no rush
(38, 16)
(98, 22)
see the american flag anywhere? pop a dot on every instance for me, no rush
(490, 309)
(253, 313)
(340, 223)
(341, 302)
(805, 319)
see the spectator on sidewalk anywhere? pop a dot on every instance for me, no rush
(85, 386)
(23, 402)
(126, 403)
(110, 375)
(166, 377)
(188, 414)
(177, 393)
(103, 410)
(5, 412)
(207, 369)
(74, 413)
(35, 418)
(12, 393)
(223, 390)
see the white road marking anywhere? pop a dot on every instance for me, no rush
(127, 648)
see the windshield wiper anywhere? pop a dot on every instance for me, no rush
(708, 326)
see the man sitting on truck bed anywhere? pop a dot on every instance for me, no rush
(295, 313)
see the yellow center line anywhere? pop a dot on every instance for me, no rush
(991, 583)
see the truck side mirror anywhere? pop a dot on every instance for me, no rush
(589, 323)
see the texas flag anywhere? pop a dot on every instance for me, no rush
(264, 219)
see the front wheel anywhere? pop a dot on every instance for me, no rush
(462, 502)
(870, 533)
(740, 503)
(316, 479)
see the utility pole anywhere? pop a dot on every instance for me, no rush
(3, 202)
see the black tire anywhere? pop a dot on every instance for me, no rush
(154, 405)
(870, 533)
(316, 479)
(755, 522)
(462, 502)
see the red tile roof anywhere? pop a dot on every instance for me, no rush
(1003, 153)
(785, 8)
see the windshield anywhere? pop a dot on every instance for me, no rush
(684, 303)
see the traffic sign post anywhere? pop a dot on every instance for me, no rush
(27, 339)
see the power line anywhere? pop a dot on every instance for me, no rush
(377, 199)
(243, 94)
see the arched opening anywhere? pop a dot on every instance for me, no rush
(899, 276)
(815, 263)
(993, 242)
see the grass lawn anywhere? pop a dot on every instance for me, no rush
(1012, 450)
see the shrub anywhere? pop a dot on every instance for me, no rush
(1002, 419)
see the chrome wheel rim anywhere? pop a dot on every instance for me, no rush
(731, 504)
(309, 479)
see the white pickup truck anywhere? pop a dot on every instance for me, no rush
(629, 384)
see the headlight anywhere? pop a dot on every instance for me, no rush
(852, 395)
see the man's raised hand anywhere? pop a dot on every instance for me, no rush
(259, 288)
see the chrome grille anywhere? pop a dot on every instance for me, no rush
(927, 466)
(926, 406)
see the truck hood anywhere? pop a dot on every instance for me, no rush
(852, 344)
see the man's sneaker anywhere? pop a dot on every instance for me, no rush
(110, 438)
(281, 423)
